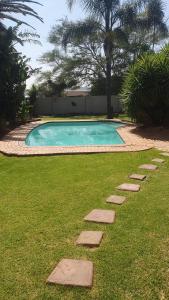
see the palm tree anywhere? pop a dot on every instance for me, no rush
(156, 22)
(8, 7)
(108, 17)
(116, 22)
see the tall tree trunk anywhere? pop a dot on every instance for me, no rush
(108, 53)
(154, 35)
(109, 88)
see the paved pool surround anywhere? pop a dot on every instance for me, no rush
(13, 144)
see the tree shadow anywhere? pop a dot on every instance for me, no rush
(152, 133)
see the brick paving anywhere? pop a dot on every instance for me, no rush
(14, 143)
(135, 138)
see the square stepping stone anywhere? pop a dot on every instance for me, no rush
(137, 177)
(101, 216)
(149, 167)
(72, 272)
(158, 160)
(165, 153)
(129, 187)
(116, 199)
(90, 238)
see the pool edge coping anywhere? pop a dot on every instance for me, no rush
(13, 144)
(80, 121)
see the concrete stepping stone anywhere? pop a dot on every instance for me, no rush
(149, 167)
(129, 187)
(90, 238)
(138, 177)
(116, 199)
(165, 153)
(72, 272)
(158, 160)
(101, 216)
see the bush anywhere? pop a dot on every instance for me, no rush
(13, 76)
(146, 90)
(99, 86)
(32, 98)
(24, 111)
(3, 125)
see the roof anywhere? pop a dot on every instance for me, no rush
(79, 92)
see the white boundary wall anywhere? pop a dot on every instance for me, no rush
(75, 105)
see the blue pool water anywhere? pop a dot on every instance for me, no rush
(75, 134)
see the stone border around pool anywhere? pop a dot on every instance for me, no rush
(13, 144)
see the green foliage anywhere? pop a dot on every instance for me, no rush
(50, 85)
(13, 74)
(99, 86)
(165, 50)
(146, 90)
(24, 111)
(32, 94)
(8, 7)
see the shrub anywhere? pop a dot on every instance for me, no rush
(13, 76)
(99, 85)
(146, 90)
(24, 111)
(32, 98)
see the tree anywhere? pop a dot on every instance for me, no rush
(156, 21)
(121, 23)
(99, 85)
(106, 18)
(8, 7)
(84, 59)
(32, 98)
(14, 72)
(50, 85)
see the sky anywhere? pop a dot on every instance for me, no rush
(51, 12)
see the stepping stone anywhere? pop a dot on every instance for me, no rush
(149, 167)
(116, 199)
(101, 216)
(165, 153)
(129, 187)
(137, 177)
(90, 238)
(158, 160)
(72, 272)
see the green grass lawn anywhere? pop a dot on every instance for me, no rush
(123, 117)
(43, 201)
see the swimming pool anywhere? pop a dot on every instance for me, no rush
(75, 134)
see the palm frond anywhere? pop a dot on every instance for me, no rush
(79, 29)
(8, 7)
(8, 17)
(71, 3)
(120, 37)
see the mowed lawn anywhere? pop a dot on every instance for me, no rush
(43, 201)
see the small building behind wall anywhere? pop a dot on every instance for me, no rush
(78, 92)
